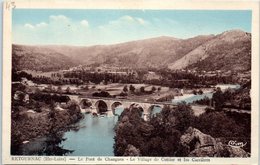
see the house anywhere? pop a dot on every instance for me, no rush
(26, 98)
(21, 96)
(17, 95)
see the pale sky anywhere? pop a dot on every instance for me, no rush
(98, 27)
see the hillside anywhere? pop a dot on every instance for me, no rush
(39, 59)
(227, 51)
(230, 50)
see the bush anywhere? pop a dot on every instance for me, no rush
(218, 124)
(101, 94)
(158, 137)
(123, 94)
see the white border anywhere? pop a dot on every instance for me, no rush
(128, 4)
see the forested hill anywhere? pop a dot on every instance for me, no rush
(230, 50)
(27, 57)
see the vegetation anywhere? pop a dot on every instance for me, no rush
(169, 78)
(238, 61)
(101, 94)
(40, 118)
(158, 137)
(204, 101)
(132, 88)
(173, 79)
(229, 99)
(37, 60)
(161, 135)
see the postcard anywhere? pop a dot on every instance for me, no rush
(130, 82)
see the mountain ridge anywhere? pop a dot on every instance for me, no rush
(159, 52)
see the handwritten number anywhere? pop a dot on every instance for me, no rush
(10, 5)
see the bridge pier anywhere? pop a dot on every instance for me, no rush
(110, 113)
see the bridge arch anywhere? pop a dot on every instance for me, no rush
(101, 106)
(154, 109)
(114, 106)
(85, 103)
(136, 105)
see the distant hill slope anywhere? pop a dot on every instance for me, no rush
(25, 57)
(227, 51)
(230, 50)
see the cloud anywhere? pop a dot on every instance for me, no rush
(58, 29)
(141, 21)
(125, 28)
(84, 23)
(36, 26)
(59, 18)
(29, 26)
(129, 20)
(58, 23)
(42, 24)
(133, 20)
(125, 22)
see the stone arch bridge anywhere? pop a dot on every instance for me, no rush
(103, 105)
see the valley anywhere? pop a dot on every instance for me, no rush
(153, 90)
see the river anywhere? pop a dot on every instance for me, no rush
(96, 137)
(190, 98)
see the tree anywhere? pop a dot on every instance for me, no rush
(68, 90)
(50, 88)
(200, 92)
(125, 89)
(37, 107)
(153, 89)
(132, 88)
(86, 87)
(123, 94)
(142, 90)
(59, 90)
(218, 99)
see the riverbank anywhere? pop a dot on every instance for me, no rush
(39, 119)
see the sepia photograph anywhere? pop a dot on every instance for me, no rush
(139, 83)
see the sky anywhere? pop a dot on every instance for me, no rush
(99, 27)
